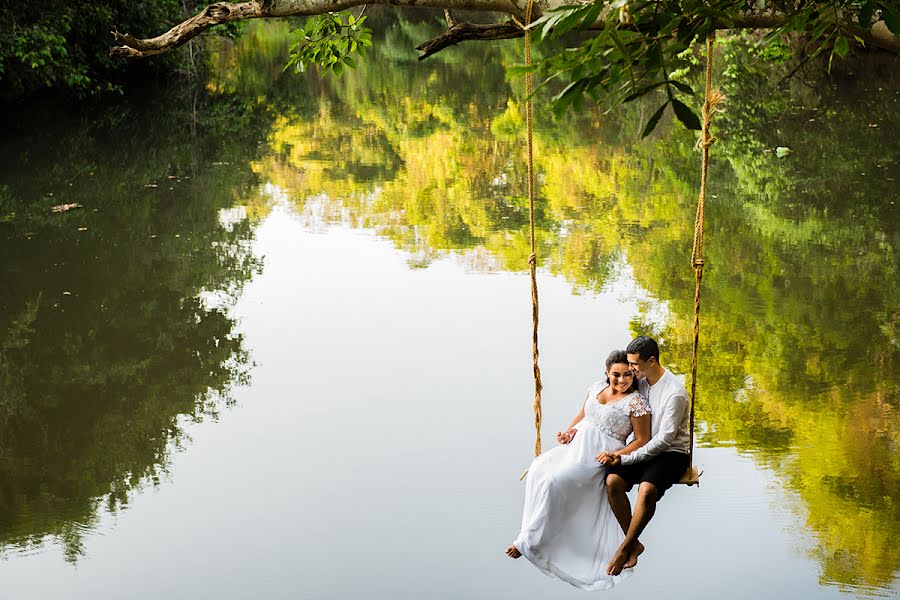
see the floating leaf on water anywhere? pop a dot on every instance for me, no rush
(782, 151)
(64, 207)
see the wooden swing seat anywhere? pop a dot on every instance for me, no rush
(691, 476)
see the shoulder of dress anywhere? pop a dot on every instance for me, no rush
(638, 405)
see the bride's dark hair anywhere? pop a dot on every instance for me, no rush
(619, 357)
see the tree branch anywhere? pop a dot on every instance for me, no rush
(214, 14)
(129, 46)
(468, 31)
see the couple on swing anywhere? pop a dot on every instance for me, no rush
(577, 524)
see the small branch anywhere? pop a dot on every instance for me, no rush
(451, 20)
(461, 32)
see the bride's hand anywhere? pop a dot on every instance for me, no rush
(566, 437)
(610, 460)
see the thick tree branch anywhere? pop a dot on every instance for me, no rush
(223, 12)
(212, 15)
(468, 31)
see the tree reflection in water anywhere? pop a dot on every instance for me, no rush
(800, 302)
(800, 309)
(114, 316)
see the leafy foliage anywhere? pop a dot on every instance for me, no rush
(328, 40)
(643, 42)
(61, 45)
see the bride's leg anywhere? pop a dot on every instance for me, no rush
(537, 481)
(646, 507)
(618, 500)
(621, 507)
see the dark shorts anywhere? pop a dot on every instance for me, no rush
(662, 471)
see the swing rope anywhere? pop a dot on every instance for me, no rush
(710, 106)
(532, 258)
(712, 98)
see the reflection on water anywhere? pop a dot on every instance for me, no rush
(113, 336)
(114, 315)
(800, 309)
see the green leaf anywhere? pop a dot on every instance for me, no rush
(682, 87)
(782, 151)
(642, 91)
(892, 20)
(685, 114)
(865, 14)
(841, 46)
(349, 62)
(651, 124)
(568, 22)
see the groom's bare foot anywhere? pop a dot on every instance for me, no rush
(618, 561)
(513, 552)
(633, 557)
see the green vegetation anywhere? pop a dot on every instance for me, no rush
(63, 46)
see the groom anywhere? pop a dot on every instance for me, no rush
(656, 465)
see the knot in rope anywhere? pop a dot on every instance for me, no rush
(532, 259)
(705, 144)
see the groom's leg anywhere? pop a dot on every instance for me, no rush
(644, 510)
(660, 474)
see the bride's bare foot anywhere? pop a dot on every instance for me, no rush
(617, 563)
(513, 552)
(633, 557)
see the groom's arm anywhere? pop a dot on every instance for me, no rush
(673, 415)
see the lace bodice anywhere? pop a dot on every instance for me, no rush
(614, 419)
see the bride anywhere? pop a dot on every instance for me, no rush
(568, 528)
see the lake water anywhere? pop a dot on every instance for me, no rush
(281, 348)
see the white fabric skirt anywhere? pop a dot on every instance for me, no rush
(569, 531)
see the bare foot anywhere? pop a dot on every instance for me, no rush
(513, 552)
(618, 561)
(633, 557)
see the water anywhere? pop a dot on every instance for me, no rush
(282, 349)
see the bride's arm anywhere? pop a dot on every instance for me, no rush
(641, 434)
(564, 437)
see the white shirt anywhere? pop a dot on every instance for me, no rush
(670, 419)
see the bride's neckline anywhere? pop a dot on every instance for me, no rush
(597, 397)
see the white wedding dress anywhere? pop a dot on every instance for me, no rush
(568, 530)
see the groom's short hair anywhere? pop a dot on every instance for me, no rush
(644, 346)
